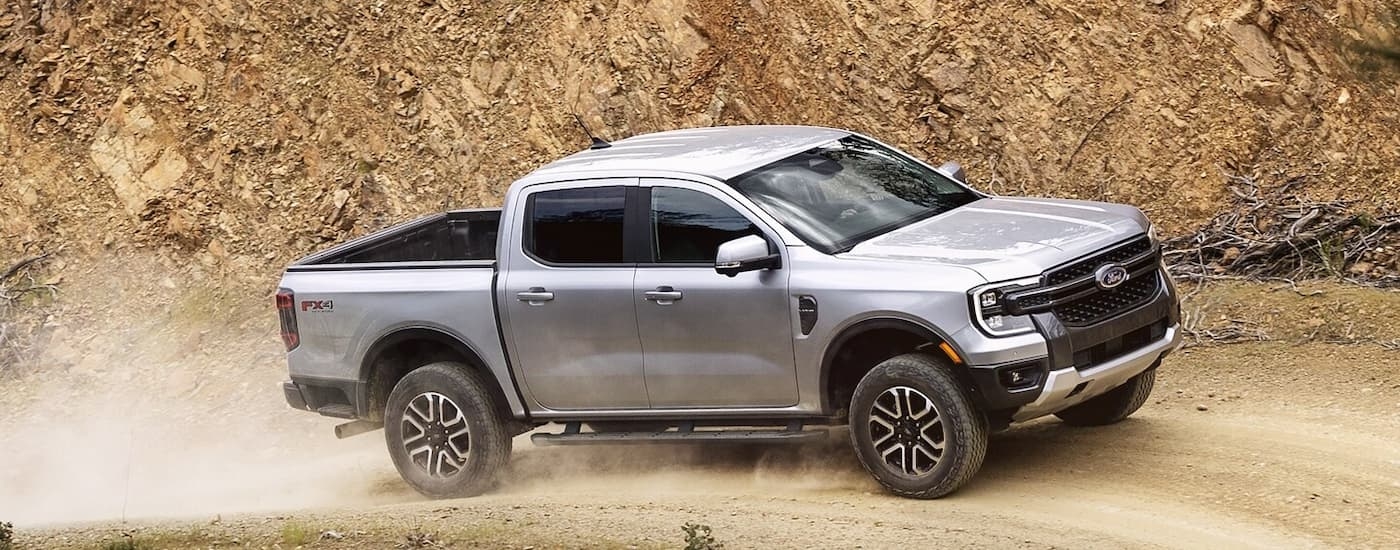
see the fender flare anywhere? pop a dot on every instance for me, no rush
(863, 326)
(416, 332)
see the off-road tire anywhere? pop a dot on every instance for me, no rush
(963, 425)
(1119, 403)
(489, 443)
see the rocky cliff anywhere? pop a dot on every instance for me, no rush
(239, 134)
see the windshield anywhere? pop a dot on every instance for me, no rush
(837, 195)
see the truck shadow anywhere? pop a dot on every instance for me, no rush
(1023, 452)
(1030, 450)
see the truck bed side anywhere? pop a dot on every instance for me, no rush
(431, 278)
(341, 315)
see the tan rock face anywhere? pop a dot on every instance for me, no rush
(1253, 50)
(244, 124)
(137, 155)
(946, 78)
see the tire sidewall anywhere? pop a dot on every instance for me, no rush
(953, 407)
(482, 423)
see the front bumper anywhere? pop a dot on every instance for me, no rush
(1080, 363)
(1067, 387)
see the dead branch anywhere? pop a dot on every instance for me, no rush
(18, 335)
(1127, 98)
(1277, 236)
(21, 265)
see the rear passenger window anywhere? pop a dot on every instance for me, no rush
(688, 226)
(576, 226)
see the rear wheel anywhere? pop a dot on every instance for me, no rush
(915, 429)
(1119, 403)
(444, 432)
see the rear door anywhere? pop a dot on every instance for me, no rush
(709, 340)
(568, 297)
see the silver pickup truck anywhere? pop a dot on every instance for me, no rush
(750, 283)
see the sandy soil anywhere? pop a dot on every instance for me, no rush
(1298, 447)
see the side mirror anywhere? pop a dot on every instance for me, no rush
(955, 171)
(745, 254)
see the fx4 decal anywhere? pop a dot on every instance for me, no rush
(318, 306)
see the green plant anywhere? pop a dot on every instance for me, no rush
(297, 534)
(7, 535)
(699, 537)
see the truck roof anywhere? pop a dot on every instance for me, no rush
(720, 152)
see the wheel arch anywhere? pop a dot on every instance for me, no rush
(405, 349)
(868, 342)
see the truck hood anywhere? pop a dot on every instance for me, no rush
(1005, 238)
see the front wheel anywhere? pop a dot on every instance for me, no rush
(444, 432)
(915, 428)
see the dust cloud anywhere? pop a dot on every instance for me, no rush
(158, 397)
(155, 402)
(664, 470)
(140, 448)
(95, 458)
(129, 451)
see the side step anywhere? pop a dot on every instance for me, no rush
(572, 435)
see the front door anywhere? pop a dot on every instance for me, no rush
(709, 340)
(567, 296)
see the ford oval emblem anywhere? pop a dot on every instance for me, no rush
(1110, 275)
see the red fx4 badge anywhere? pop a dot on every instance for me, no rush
(318, 305)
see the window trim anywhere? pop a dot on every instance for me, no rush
(647, 258)
(629, 253)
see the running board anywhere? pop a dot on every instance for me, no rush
(686, 434)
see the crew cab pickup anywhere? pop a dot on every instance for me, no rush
(747, 283)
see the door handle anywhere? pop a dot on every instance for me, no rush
(536, 296)
(664, 295)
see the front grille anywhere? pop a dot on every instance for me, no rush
(1087, 266)
(1105, 303)
(1072, 293)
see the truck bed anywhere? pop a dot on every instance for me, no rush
(458, 235)
(434, 275)
(355, 308)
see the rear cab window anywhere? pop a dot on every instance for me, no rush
(576, 226)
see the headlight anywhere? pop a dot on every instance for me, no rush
(989, 311)
(1152, 233)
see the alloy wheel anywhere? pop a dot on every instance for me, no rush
(907, 431)
(436, 434)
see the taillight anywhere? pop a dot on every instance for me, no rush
(287, 313)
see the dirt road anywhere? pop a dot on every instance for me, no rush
(1298, 446)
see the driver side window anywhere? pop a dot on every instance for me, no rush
(688, 226)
